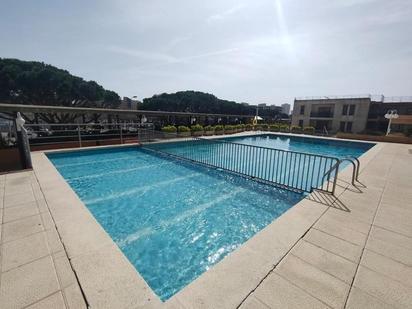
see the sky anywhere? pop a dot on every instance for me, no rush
(255, 51)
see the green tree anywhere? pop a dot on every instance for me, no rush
(36, 83)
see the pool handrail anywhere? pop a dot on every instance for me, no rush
(293, 170)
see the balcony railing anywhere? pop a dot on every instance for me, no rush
(322, 114)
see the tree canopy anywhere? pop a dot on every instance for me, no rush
(196, 102)
(37, 83)
(200, 102)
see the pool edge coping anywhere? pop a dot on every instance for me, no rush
(254, 249)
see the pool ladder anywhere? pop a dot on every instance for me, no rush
(355, 172)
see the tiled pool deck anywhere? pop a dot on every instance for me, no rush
(352, 252)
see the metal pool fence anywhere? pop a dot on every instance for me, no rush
(288, 169)
(68, 135)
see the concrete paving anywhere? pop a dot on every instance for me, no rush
(35, 271)
(352, 251)
(361, 258)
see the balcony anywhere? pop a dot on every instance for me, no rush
(328, 114)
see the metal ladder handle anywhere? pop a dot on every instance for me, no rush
(358, 166)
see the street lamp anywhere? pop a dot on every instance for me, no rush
(391, 114)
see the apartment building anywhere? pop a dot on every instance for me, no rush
(353, 114)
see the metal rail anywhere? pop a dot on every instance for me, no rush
(296, 171)
(355, 172)
(43, 136)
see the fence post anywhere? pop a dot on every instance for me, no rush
(79, 135)
(121, 134)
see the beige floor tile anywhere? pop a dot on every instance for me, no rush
(276, 292)
(28, 284)
(361, 300)
(54, 241)
(17, 181)
(41, 204)
(391, 237)
(388, 267)
(18, 199)
(22, 228)
(229, 282)
(172, 303)
(401, 215)
(74, 297)
(18, 252)
(334, 245)
(326, 261)
(315, 282)
(64, 271)
(20, 212)
(82, 235)
(400, 254)
(393, 224)
(339, 231)
(346, 219)
(110, 281)
(384, 288)
(252, 303)
(48, 222)
(16, 189)
(54, 301)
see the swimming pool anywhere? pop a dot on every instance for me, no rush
(173, 220)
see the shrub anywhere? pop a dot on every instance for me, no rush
(208, 128)
(309, 130)
(296, 129)
(169, 129)
(373, 132)
(219, 128)
(183, 129)
(284, 128)
(408, 131)
(197, 128)
(248, 126)
(229, 127)
(274, 127)
(264, 126)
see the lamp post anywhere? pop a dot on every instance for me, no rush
(391, 114)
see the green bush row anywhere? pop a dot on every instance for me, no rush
(263, 126)
(198, 127)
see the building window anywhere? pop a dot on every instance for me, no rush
(302, 109)
(345, 126)
(301, 123)
(352, 109)
(348, 110)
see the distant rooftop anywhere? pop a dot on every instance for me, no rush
(372, 97)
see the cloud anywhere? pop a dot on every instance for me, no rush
(163, 58)
(143, 55)
(225, 14)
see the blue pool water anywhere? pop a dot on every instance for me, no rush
(325, 147)
(174, 220)
(296, 162)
